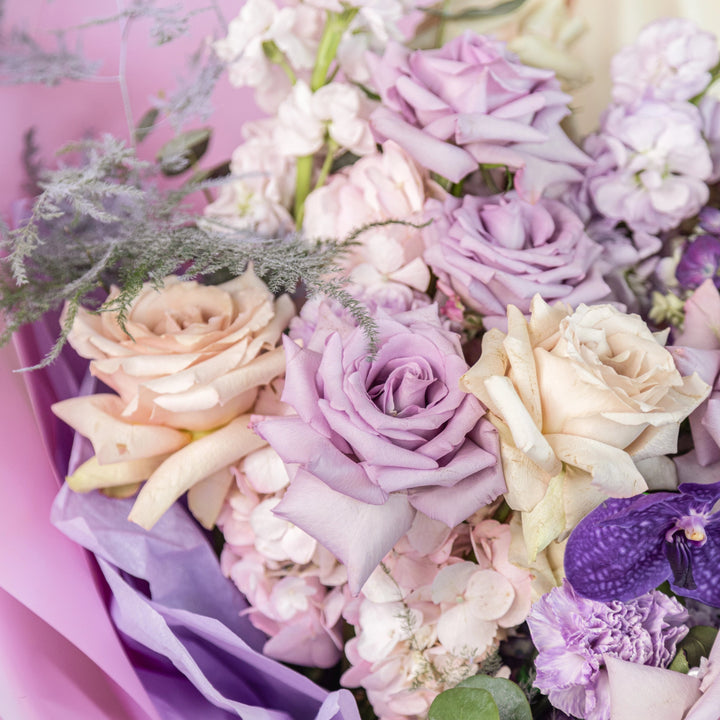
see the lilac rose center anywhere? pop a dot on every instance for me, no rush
(405, 387)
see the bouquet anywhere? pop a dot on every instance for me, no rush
(408, 410)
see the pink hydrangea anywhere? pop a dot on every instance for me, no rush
(473, 103)
(427, 619)
(293, 585)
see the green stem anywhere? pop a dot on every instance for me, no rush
(303, 177)
(332, 146)
(336, 25)
(440, 32)
(502, 513)
(276, 55)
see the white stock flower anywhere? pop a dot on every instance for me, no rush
(336, 110)
(294, 30)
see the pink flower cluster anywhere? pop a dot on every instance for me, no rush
(426, 619)
(293, 584)
(386, 266)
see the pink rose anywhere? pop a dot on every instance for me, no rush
(384, 186)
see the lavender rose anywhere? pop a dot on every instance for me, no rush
(378, 441)
(472, 102)
(500, 251)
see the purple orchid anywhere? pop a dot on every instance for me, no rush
(628, 546)
(700, 261)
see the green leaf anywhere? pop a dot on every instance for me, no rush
(509, 698)
(680, 663)
(502, 8)
(464, 703)
(696, 644)
(146, 124)
(183, 151)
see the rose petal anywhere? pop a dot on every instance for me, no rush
(97, 417)
(643, 692)
(205, 498)
(188, 466)
(358, 534)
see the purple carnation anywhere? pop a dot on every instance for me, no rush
(573, 635)
(472, 102)
(376, 441)
(651, 165)
(670, 60)
(501, 250)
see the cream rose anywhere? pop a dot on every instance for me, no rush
(582, 400)
(187, 372)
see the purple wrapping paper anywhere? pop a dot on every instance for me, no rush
(179, 620)
(193, 618)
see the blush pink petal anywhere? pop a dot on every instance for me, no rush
(642, 692)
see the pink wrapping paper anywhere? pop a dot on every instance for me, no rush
(60, 657)
(59, 649)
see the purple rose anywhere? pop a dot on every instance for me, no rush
(472, 102)
(377, 441)
(500, 251)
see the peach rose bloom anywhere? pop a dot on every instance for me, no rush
(187, 371)
(583, 401)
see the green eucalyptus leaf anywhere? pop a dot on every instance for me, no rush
(464, 703)
(680, 663)
(697, 643)
(509, 698)
(146, 124)
(502, 8)
(183, 151)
